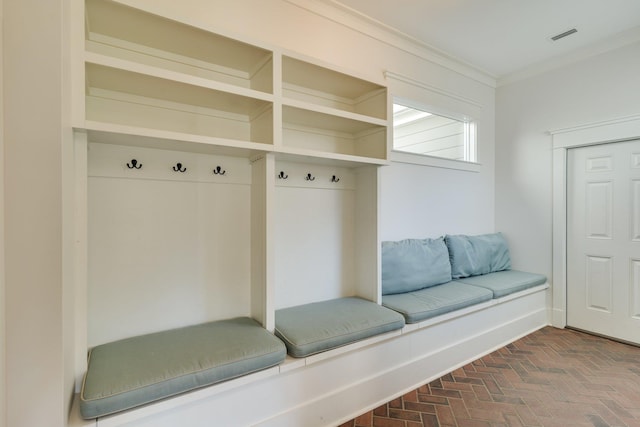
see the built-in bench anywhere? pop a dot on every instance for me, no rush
(421, 279)
(135, 371)
(425, 278)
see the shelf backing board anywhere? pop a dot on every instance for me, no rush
(128, 98)
(321, 86)
(165, 248)
(128, 33)
(314, 233)
(319, 131)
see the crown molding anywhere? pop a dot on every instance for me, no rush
(336, 12)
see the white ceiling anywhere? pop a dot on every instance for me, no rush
(503, 37)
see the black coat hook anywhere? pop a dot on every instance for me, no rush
(281, 175)
(178, 168)
(218, 171)
(334, 179)
(309, 177)
(134, 164)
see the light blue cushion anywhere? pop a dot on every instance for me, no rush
(412, 264)
(312, 328)
(506, 282)
(474, 255)
(441, 299)
(143, 369)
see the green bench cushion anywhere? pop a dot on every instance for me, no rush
(481, 254)
(412, 264)
(506, 282)
(425, 303)
(134, 371)
(312, 328)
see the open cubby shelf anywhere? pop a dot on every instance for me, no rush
(124, 32)
(305, 81)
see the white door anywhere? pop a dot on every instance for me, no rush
(603, 240)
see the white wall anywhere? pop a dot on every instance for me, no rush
(32, 77)
(419, 201)
(595, 89)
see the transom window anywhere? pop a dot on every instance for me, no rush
(421, 132)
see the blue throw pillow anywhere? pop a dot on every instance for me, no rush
(412, 264)
(475, 255)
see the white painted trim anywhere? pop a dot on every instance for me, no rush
(3, 382)
(559, 239)
(413, 82)
(614, 130)
(603, 132)
(335, 11)
(80, 230)
(436, 162)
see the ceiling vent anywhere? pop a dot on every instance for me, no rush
(563, 35)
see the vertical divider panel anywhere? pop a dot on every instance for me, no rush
(76, 62)
(367, 235)
(277, 92)
(80, 255)
(262, 287)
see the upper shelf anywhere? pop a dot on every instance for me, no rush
(155, 78)
(321, 86)
(120, 31)
(126, 98)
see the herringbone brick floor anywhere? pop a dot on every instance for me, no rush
(551, 378)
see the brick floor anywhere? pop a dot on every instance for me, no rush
(553, 377)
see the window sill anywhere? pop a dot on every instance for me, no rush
(438, 162)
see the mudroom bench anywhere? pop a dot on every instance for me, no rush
(425, 278)
(426, 283)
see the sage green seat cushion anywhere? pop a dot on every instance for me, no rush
(505, 282)
(312, 328)
(134, 371)
(430, 302)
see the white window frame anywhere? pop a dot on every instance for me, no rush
(441, 162)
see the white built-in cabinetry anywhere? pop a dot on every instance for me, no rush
(217, 178)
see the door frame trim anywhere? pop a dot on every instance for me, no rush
(616, 130)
